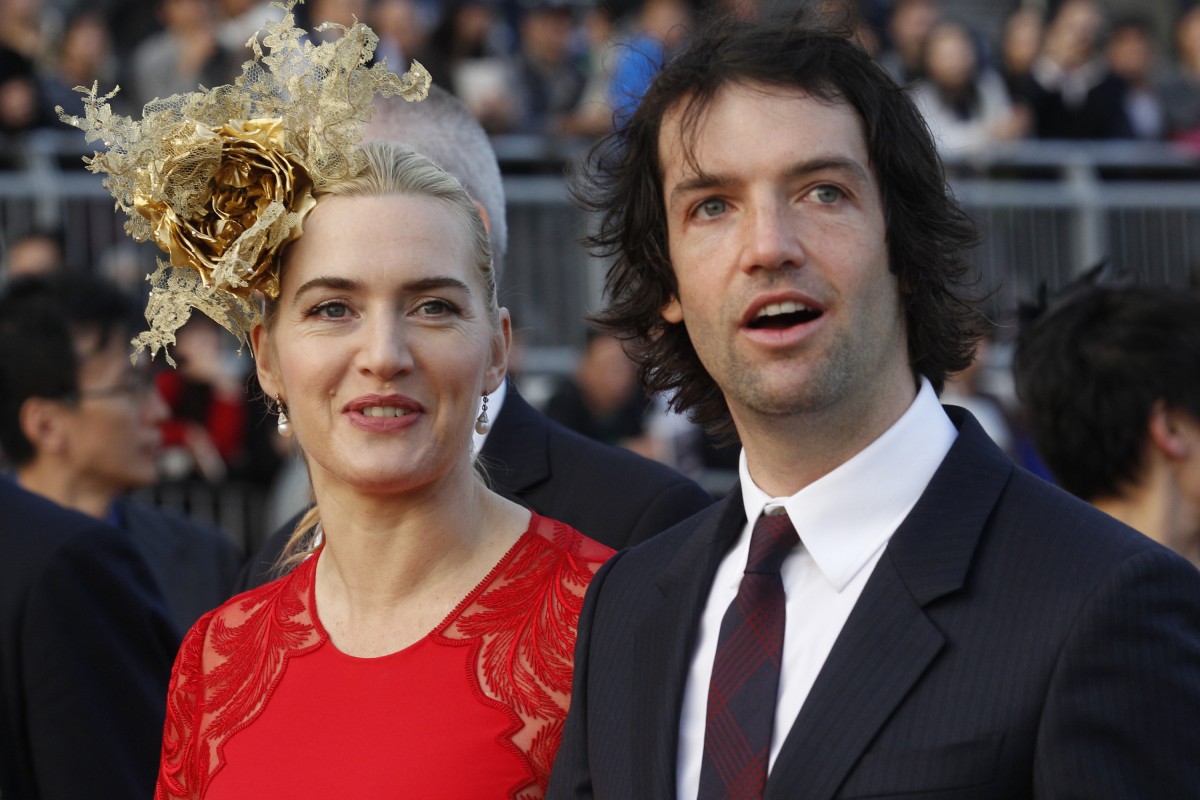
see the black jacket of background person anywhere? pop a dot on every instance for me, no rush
(86, 647)
(611, 495)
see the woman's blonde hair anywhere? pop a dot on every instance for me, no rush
(395, 169)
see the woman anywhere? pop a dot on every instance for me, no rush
(422, 644)
(426, 644)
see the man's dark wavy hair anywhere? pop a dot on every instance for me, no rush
(929, 236)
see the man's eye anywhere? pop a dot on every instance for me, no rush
(712, 207)
(827, 194)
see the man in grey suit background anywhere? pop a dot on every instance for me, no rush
(885, 606)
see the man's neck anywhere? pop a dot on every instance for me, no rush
(56, 483)
(786, 453)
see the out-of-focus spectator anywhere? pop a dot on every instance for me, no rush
(80, 423)
(1180, 89)
(20, 104)
(184, 55)
(659, 27)
(602, 399)
(84, 55)
(1020, 44)
(38, 252)
(593, 115)
(908, 26)
(966, 389)
(238, 20)
(1073, 94)
(964, 103)
(339, 12)
(466, 55)
(1132, 58)
(1109, 380)
(548, 83)
(402, 31)
(209, 410)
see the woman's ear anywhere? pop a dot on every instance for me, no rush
(264, 361)
(501, 343)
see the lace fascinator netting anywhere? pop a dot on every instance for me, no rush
(221, 179)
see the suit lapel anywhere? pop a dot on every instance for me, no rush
(888, 641)
(665, 639)
(522, 439)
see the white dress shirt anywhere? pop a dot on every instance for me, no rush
(845, 520)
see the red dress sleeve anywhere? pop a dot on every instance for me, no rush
(177, 769)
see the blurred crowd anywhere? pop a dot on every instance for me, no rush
(1067, 70)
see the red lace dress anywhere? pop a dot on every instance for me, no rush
(262, 705)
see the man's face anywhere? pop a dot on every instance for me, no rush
(113, 436)
(777, 237)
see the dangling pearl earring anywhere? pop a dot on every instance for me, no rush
(283, 425)
(482, 425)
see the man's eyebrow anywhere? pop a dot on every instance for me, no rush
(700, 181)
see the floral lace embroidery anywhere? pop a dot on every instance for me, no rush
(525, 622)
(521, 623)
(224, 676)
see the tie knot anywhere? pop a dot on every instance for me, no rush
(773, 538)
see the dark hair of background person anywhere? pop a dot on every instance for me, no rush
(929, 236)
(1089, 370)
(39, 320)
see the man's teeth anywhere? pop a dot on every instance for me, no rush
(775, 309)
(385, 411)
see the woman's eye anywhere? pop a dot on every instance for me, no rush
(712, 207)
(433, 308)
(330, 309)
(827, 194)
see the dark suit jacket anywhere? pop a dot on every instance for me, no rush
(608, 494)
(85, 655)
(196, 566)
(1012, 642)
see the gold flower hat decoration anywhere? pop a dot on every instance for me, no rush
(221, 179)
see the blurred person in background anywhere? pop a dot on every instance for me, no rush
(602, 399)
(402, 30)
(1133, 58)
(1180, 89)
(37, 252)
(339, 12)
(238, 20)
(185, 53)
(1020, 44)
(593, 115)
(658, 29)
(85, 652)
(548, 82)
(1109, 378)
(84, 54)
(467, 54)
(1073, 94)
(80, 424)
(908, 26)
(965, 104)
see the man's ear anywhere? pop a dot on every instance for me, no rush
(501, 344)
(1166, 431)
(44, 424)
(264, 361)
(673, 311)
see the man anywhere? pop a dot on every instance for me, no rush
(80, 424)
(790, 263)
(85, 655)
(1110, 382)
(609, 494)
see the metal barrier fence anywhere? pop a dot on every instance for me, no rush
(1047, 211)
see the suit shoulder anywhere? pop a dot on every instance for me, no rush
(631, 469)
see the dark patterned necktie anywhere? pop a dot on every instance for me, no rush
(745, 677)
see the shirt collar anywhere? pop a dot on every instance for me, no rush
(847, 515)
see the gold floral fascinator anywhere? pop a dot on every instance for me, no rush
(221, 179)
